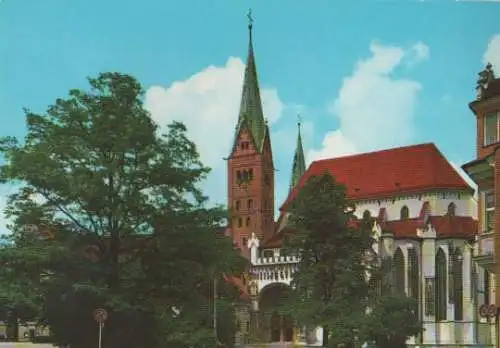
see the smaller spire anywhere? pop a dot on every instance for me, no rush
(299, 163)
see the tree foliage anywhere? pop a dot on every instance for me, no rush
(392, 320)
(331, 289)
(131, 229)
(332, 283)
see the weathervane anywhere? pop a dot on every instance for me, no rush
(250, 18)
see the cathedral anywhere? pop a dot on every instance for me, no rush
(426, 223)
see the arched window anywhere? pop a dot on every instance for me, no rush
(413, 274)
(250, 204)
(238, 203)
(486, 287)
(441, 285)
(366, 214)
(405, 213)
(452, 209)
(240, 222)
(248, 221)
(399, 270)
(458, 283)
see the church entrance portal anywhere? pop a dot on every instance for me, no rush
(275, 325)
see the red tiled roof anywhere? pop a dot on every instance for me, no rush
(445, 226)
(385, 173)
(238, 283)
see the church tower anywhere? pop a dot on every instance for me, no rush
(250, 164)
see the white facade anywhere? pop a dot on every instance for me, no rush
(457, 322)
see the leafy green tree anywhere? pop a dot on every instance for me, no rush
(132, 230)
(392, 320)
(331, 289)
(393, 316)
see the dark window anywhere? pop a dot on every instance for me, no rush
(237, 205)
(413, 274)
(267, 179)
(244, 175)
(268, 253)
(452, 209)
(486, 281)
(248, 221)
(367, 214)
(441, 285)
(244, 242)
(405, 213)
(489, 202)
(489, 198)
(240, 222)
(399, 268)
(458, 284)
(250, 204)
(250, 174)
(238, 175)
(490, 129)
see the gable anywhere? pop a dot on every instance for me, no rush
(243, 143)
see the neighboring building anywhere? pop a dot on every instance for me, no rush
(425, 222)
(483, 170)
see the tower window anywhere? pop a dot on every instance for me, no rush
(250, 174)
(238, 175)
(248, 221)
(238, 203)
(250, 204)
(240, 222)
(405, 213)
(245, 175)
(267, 179)
(490, 129)
(245, 145)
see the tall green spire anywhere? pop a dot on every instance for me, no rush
(251, 107)
(299, 162)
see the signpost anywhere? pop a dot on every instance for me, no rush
(100, 315)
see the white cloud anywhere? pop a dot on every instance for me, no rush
(208, 104)
(421, 51)
(492, 54)
(375, 109)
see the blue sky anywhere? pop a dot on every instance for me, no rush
(364, 75)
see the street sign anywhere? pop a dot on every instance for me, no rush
(100, 315)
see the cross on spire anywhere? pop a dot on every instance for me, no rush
(250, 19)
(299, 120)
